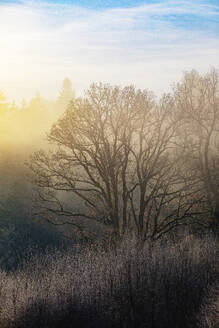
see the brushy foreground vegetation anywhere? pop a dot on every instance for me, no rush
(165, 284)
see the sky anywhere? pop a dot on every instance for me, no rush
(146, 43)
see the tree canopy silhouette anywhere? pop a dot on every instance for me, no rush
(196, 99)
(116, 158)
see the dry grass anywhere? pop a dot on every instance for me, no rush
(163, 285)
(209, 313)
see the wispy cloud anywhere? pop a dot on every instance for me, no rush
(148, 45)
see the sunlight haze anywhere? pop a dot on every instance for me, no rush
(145, 43)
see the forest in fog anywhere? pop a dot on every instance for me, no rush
(23, 130)
(109, 207)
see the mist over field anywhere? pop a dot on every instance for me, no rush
(109, 164)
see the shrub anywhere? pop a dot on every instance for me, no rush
(161, 285)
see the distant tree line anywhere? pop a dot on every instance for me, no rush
(27, 124)
(22, 129)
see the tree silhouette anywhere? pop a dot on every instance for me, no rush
(197, 102)
(4, 106)
(66, 95)
(114, 157)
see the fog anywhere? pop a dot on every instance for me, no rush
(23, 130)
(58, 193)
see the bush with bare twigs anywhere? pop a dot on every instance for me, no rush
(162, 285)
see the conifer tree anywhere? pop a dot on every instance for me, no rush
(66, 95)
(3, 103)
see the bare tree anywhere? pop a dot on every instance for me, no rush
(197, 102)
(114, 156)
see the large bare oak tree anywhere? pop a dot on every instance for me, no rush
(115, 160)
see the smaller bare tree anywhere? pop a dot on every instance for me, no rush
(197, 103)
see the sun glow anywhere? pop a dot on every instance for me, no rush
(148, 45)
